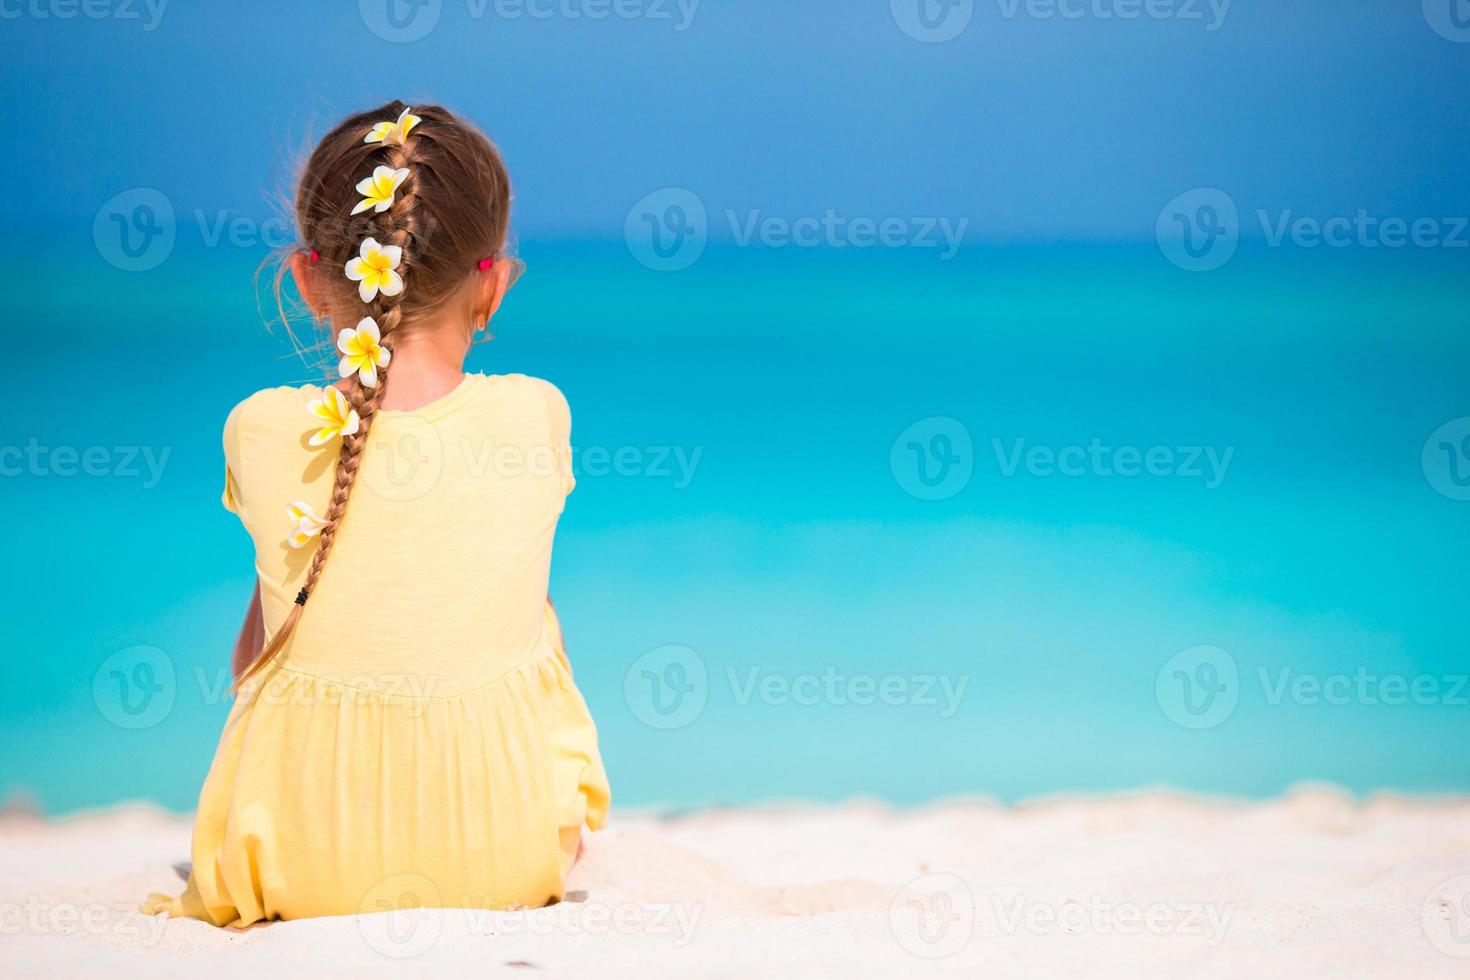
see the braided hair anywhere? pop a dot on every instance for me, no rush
(450, 211)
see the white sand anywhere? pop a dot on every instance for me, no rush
(1150, 885)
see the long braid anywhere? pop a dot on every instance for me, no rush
(396, 226)
(388, 314)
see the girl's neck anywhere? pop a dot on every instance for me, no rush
(427, 365)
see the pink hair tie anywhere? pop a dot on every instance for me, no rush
(486, 263)
(314, 256)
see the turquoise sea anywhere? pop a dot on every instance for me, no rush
(848, 522)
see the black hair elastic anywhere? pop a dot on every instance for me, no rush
(302, 596)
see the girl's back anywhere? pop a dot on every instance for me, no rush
(441, 572)
(414, 730)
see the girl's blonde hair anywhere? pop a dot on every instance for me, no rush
(449, 214)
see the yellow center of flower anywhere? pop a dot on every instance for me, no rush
(364, 349)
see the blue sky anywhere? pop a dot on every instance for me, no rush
(1036, 128)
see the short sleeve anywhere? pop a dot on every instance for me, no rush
(231, 439)
(559, 418)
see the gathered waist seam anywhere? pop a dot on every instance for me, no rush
(548, 652)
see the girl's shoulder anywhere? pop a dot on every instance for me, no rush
(288, 404)
(533, 394)
(271, 405)
(272, 417)
(536, 388)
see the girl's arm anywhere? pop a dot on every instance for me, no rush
(252, 635)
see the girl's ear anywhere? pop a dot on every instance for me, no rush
(494, 284)
(305, 276)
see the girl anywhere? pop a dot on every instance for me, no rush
(416, 728)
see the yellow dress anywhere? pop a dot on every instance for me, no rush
(422, 732)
